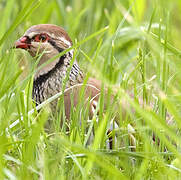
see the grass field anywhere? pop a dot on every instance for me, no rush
(131, 46)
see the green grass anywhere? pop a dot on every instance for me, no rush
(133, 47)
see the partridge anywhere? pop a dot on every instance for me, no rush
(49, 40)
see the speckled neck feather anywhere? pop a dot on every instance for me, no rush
(50, 83)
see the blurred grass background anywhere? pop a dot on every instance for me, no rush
(139, 53)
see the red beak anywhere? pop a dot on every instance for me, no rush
(22, 43)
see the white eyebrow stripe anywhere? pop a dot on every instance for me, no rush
(61, 39)
(53, 36)
(65, 41)
(30, 35)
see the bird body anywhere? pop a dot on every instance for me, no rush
(50, 40)
(45, 41)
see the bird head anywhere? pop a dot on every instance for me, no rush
(45, 39)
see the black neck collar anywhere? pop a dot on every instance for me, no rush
(42, 78)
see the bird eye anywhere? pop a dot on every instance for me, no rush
(41, 38)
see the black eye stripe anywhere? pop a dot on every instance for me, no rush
(53, 43)
(28, 40)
